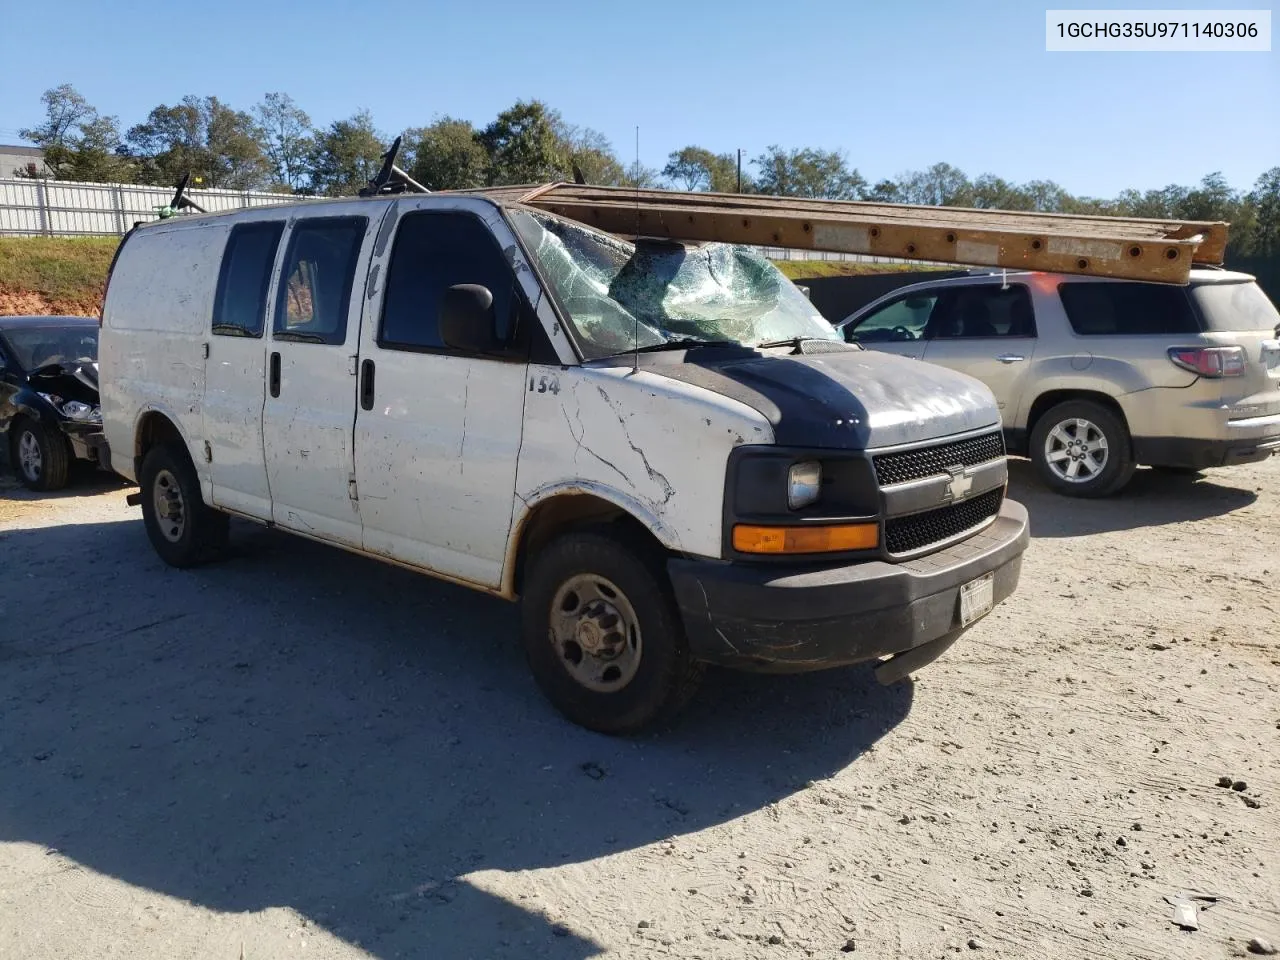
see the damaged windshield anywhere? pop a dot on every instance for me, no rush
(621, 296)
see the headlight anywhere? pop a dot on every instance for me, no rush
(74, 409)
(803, 483)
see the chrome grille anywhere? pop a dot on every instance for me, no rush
(930, 461)
(919, 530)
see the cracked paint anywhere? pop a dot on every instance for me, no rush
(668, 491)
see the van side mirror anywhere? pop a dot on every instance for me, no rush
(467, 320)
(808, 294)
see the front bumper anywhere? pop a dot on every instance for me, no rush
(87, 441)
(776, 618)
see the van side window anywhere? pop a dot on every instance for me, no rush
(432, 252)
(240, 305)
(1122, 308)
(984, 310)
(315, 287)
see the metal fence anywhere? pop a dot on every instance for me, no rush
(60, 208)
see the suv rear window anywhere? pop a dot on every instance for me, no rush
(1119, 308)
(1235, 307)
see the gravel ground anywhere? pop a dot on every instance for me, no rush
(302, 753)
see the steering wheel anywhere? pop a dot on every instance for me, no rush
(902, 333)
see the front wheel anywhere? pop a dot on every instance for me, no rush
(1082, 449)
(182, 529)
(41, 458)
(602, 634)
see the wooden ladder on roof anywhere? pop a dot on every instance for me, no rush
(1122, 247)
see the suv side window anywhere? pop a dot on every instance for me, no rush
(985, 310)
(901, 321)
(433, 251)
(1122, 308)
(240, 305)
(315, 287)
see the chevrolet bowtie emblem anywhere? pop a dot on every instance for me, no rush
(959, 485)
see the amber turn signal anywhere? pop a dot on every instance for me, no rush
(816, 539)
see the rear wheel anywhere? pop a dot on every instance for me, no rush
(1082, 449)
(602, 634)
(41, 457)
(183, 530)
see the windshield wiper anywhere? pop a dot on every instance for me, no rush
(683, 344)
(789, 342)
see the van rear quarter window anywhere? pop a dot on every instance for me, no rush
(240, 306)
(315, 287)
(1127, 309)
(434, 251)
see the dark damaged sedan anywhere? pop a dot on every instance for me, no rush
(49, 396)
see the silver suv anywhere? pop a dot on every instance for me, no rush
(1095, 377)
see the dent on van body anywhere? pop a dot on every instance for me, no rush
(652, 446)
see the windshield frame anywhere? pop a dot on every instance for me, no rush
(565, 318)
(20, 358)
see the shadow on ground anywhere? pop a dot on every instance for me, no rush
(300, 727)
(1151, 499)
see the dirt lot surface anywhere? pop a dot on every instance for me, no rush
(301, 753)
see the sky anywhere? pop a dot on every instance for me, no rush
(896, 86)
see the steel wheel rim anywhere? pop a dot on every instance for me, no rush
(29, 457)
(1076, 450)
(595, 632)
(170, 507)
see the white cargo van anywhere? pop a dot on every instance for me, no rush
(662, 449)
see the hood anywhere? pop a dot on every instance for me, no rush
(853, 399)
(70, 383)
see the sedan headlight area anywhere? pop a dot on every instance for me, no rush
(804, 481)
(75, 409)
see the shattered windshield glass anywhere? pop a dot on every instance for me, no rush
(623, 296)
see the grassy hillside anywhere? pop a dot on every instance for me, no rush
(48, 275)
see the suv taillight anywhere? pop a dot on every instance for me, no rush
(1211, 361)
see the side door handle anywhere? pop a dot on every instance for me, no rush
(366, 385)
(273, 378)
(1010, 358)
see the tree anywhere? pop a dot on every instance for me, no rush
(696, 168)
(639, 176)
(995, 193)
(940, 185)
(523, 146)
(590, 151)
(78, 142)
(1045, 196)
(808, 173)
(1213, 199)
(346, 156)
(284, 130)
(447, 155)
(885, 191)
(1265, 200)
(202, 136)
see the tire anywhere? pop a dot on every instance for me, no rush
(642, 676)
(41, 457)
(188, 533)
(1080, 471)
